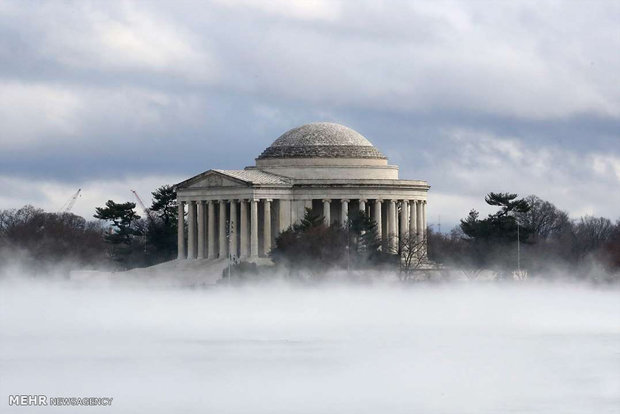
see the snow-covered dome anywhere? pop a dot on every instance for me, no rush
(321, 140)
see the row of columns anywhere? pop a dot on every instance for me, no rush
(412, 220)
(412, 216)
(227, 229)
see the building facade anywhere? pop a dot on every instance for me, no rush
(326, 167)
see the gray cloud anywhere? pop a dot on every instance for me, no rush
(473, 97)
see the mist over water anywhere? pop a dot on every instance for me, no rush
(457, 348)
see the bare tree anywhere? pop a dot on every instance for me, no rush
(543, 219)
(50, 239)
(412, 249)
(591, 233)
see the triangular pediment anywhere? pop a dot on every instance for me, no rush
(216, 180)
(213, 179)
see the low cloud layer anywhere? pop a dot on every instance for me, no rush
(473, 97)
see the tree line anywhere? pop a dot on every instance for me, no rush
(136, 241)
(527, 236)
(545, 237)
(548, 241)
(43, 241)
(119, 239)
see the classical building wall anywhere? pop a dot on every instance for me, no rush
(327, 167)
(312, 172)
(265, 164)
(227, 224)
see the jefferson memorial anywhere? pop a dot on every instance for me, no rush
(326, 167)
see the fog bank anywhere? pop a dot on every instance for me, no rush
(476, 348)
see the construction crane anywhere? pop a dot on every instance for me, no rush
(66, 208)
(147, 211)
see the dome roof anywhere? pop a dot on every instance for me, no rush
(321, 140)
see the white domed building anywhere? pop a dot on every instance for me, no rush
(323, 166)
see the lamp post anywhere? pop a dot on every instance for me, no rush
(229, 232)
(348, 224)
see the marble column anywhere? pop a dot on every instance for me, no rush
(181, 231)
(424, 224)
(232, 235)
(404, 222)
(377, 217)
(267, 226)
(344, 211)
(327, 211)
(201, 230)
(253, 228)
(211, 229)
(294, 215)
(362, 205)
(222, 226)
(244, 238)
(391, 233)
(191, 230)
(412, 219)
(420, 224)
(424, 229)
(284, 215)
(362, 209)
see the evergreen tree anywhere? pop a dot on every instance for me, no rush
(165, 205)
(492, 239)
(312, 245)
(123, 218)
(363, 240)
(162, 231)
(125, 246)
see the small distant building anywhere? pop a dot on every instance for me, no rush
(326, 167)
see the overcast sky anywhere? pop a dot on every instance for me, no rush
(471, 96)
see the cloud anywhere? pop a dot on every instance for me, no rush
(483, 59)
(44, 116)
(115, 39)
(606, 166)
(517, 60)
(36, 110)
(52, 195)
(481, 162)
(310, 10)
(473, 97)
